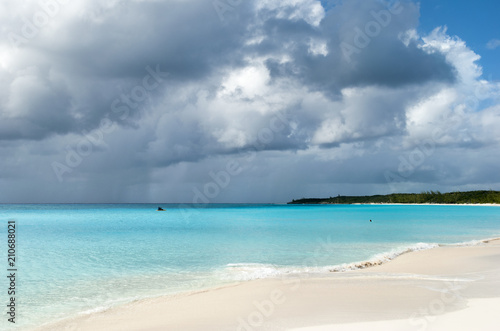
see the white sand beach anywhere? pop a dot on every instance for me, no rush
(444, 288)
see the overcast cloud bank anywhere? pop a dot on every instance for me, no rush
(140, 101)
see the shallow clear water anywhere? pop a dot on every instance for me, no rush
(77, 258)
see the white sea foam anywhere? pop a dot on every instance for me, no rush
(382, 258)
(467, 243)
(472, 242)
(95, 310)
(251, 271)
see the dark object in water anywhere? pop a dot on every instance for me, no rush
(370, 220)
(160, 209)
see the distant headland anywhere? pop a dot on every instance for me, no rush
(471, 197)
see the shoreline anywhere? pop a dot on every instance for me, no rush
(426, 197)
(401, 204)
(404, 286)
(428, 204)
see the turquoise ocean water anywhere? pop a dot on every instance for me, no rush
(74, 259)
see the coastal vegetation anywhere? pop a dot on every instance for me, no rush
(471, 197)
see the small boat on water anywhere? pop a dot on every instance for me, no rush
(160, 209)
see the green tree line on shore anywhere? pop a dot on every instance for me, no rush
(471, 197)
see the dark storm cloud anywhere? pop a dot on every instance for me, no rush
(185, 38)
(365, 48)
(99, 55)
(400, 66)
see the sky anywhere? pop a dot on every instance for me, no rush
(181, 101)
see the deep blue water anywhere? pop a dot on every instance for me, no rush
(75, 258)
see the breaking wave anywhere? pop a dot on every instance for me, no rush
(252, 271)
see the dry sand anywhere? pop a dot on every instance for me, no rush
(445, 288)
